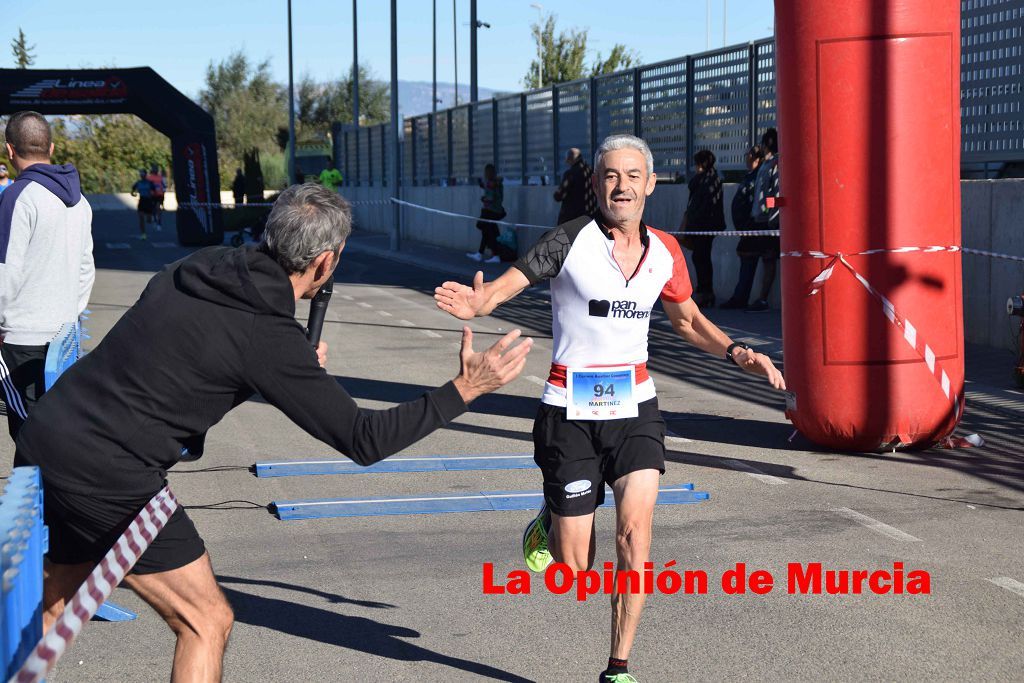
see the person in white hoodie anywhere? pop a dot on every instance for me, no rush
(46, 264)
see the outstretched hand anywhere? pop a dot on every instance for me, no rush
(484, 371)
(462, 301)
(760, 364)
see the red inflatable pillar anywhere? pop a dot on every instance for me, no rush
(869, 135)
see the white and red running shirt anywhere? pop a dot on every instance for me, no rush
(600, 315)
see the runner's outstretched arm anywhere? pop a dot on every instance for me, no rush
(690, 324)
(465, 302)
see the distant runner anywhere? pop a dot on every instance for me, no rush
(143, 188)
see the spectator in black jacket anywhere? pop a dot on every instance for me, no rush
(208, 332)
(704, 212)
(576, 191)
(750, 249)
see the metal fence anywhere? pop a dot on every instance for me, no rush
(721, 100)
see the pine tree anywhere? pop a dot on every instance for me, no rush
(22, 51)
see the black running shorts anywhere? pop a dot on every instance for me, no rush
(577, 457)
(84, 528)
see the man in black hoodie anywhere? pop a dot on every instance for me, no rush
(208, 332)
(46, 266)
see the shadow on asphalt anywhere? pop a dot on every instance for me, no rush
(354, 633)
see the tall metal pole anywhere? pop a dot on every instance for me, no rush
(455, 41)
(396, 157)
(472, 51)
(291, 103)
(725, 20)
(355, 66)
(434, 109)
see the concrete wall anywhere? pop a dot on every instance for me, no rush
(992, 211)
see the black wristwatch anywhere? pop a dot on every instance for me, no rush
(728, 351)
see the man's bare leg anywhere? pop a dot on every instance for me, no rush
(573, 540)
(635, 496)
(60, 583)
(192, 604)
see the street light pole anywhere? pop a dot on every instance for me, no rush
(540, 28)
(434, 98)
(473, 26)
(291, 103)
(455, 41)
(355, 66)
(396, 157)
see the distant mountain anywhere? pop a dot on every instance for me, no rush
(414, 97)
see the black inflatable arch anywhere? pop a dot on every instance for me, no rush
(140, 91)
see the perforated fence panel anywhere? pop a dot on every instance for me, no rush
(721, 105)
(422, 142)
(483, 137)
(408, 152)
(540, 144)
(574, 120)
(764, 87)
(663, 115)
(509, 139)
(440, 171)
(460, 144)
(614, 104)
(992, 79)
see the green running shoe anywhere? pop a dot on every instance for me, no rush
(535, 541)
(617, 678)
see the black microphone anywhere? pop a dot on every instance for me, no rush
(317, 311)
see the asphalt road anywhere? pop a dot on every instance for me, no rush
(400, 598)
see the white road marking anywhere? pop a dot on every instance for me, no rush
(876, 526)
(406, 323)
(432, 334)
(534, 379)
(346, 297)
(1009, 584)
(384, 313)
(754, 472)
(363, 304)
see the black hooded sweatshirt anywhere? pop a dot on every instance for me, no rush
(207, 333)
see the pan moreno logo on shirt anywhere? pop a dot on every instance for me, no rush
(603, 308)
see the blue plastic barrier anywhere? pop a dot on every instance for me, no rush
(64, 350)
(23, 540)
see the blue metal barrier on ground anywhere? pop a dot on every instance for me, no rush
(23, 541)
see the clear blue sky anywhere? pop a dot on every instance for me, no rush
(179, 38)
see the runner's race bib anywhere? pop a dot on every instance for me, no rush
(601, 393)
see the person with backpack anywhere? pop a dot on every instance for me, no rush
(767, 217)
(704, 212)
(749, 248)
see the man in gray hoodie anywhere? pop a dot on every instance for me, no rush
(46, 266)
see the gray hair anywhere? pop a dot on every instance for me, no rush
(306, 221)
(613, 142)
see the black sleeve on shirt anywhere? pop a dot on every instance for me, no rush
(283, 368)
(545, 258)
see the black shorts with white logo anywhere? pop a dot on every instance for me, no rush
(83, 528)
(577, 457)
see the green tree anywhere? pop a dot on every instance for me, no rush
(562, 56)
(22, 51)
(618, 59)
(318, 105)
(247, 106)
(109, 150)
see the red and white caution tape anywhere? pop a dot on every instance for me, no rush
(921, 347)
(118, 561)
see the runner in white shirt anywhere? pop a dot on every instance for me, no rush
(599, 420)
